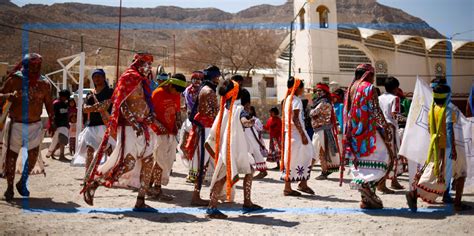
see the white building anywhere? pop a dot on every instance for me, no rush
(325, 51)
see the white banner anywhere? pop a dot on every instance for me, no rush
(416, 138)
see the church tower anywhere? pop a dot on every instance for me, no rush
(315, 42)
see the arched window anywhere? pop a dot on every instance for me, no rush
(323, 17)
(301, 16)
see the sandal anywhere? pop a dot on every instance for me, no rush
(251, 208)
(214, 213)
(22, 189)
(291, 193)
(371, 200)
(307, 190)
(9, 195)
(200, 203)
(397, 186)
(385, 190)
(261, 175)
(322, 176)
(411, 201)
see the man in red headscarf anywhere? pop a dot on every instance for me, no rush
(36, 93)
(323, 120)
(132, 120)
(367, 137)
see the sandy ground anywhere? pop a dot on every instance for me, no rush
(55, 207)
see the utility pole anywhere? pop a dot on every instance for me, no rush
(118, 41)
(174, 53)
(82, 43)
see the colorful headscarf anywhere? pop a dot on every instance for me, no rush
(127, 83)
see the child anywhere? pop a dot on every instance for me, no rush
(273, 126)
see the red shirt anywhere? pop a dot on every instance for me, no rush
(273, 125)
(166, 106)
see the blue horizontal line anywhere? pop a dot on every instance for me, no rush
(215, 25)
(236, 211)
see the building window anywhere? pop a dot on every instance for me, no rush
(270, 82)
(326, 80)
(247, 82)
(323, 17)
(301, 16)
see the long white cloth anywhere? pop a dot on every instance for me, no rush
(417, 132)
(165, 155)
(34, 135)
(91, 136)
(301, 155)
(241, 161)
(254, 150)
(60, 130)
(133, 146)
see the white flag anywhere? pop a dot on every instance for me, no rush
(416, 138)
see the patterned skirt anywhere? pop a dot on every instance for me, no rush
(274, 154)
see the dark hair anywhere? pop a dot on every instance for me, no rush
(237, 78)
(340, 92)
(275, 110)
(226, 87)
(253, 112)
(211, 72)
(377, 91)
(305, 103)
(64, 93)
(359, 73)
(391, 84)
(244, 96)
(439, 80)
(291, 82)
(441, 88)
(181, 77)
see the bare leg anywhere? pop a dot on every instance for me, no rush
(382, 187)
(248, 205)
(145, 179)
(61, 152)
(10, 166)
(212, 211)
(21, 186)
(196, 199)
(157, 191)
(287, 191)
(458, 205)
(324, 166)
(90, 156)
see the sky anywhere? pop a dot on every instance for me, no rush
(447, 16)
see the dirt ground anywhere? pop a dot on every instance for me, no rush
(55, 207)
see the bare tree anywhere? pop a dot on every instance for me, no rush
(231, 48)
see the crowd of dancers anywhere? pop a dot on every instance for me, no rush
(133, 134)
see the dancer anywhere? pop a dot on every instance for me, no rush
(61, 122)
(202, 117)
(27, 87)
(190, 97)
(325, 140)
(97, 111)
(362, 141)
(132, 121)
(230, 150)
(390, 104)
(430, 181)
(254, 136)
(297, 153)
(166, 101)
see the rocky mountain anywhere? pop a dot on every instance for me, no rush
(361, 12)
